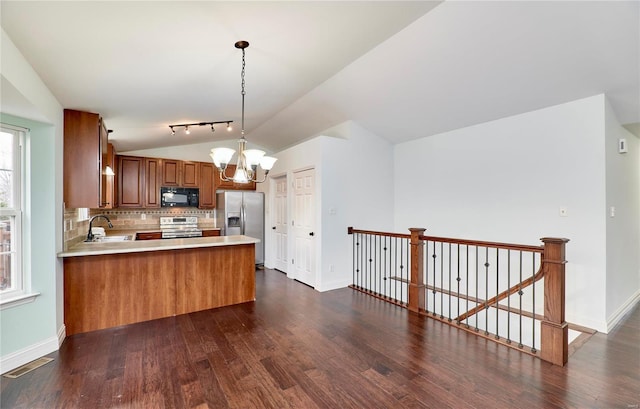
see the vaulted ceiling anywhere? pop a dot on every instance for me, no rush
(404, 70)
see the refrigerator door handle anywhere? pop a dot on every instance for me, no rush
(243, 219)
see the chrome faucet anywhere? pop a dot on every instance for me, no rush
(90, 233)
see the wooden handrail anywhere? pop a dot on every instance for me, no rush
(506, 293)
(479, 243)
(351, 230)
(492, 244)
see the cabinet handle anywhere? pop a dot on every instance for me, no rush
(311, 234)
(273, 228)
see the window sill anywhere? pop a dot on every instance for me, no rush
(18, 300)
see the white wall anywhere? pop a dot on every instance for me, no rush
(32, 330)
(354, 187)
(623, 229)
(505, 180)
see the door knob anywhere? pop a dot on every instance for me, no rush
(311, 234)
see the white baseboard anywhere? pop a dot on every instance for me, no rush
(62, 334)
(624, 308)
(333, 285)
(28, 354)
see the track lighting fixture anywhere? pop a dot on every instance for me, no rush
(188, 131)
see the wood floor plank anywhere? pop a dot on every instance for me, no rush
(297, 348)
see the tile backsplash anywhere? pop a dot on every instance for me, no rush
(75, 230)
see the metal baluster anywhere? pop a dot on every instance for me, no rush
(509, 297)
(450, 286)
(477, 295)
(434, 256)
(353, 259)
(497, 291)
(395, 268)
(441, 279)
(371, 278)
(458, 280)
(408, 269)
(357, 259)
(426, 275)
(384, 267)
(520, 293)
(467, 270)
(533, 319)
(486, 291)
(376, 261)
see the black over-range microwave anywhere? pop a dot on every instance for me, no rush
(179, 197)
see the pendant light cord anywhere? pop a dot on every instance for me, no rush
(243, 92)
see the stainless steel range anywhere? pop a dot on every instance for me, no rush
(179, 227)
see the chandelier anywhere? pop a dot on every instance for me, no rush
(248, 159)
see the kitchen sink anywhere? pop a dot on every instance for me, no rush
(107, 239)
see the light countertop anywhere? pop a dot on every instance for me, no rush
(135, 246)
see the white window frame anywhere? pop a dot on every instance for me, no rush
(21, 283)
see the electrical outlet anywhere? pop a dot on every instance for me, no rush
(612, 211)
(331, 268)
(564, 212)
(143, 216)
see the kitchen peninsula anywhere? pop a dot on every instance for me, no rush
(116, 283)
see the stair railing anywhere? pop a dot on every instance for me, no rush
(509, 293)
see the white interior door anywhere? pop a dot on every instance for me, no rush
(280, 226)
(303, 223)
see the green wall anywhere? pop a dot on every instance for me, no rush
(33, 325)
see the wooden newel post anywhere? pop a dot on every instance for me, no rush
(416, 281)
(554, 329)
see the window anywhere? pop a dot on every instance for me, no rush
(12, 279)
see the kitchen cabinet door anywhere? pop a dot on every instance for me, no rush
(82, 163)
(190, 174)
(207, 185)
(130, 181)
(152, 173)
(171, 172)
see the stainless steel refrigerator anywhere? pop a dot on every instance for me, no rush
(241, 212)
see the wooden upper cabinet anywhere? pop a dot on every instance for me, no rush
(190, 174)
(221, 184)
(130, 181)
(180, 173)
(153, 173)
(82, 164)
(208, 173)
(171, 172)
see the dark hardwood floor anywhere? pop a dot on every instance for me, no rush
(297, 348)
